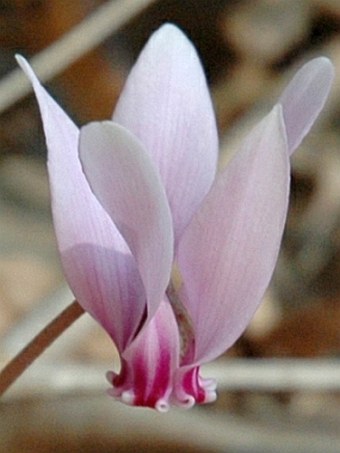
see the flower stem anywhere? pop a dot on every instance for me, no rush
(37, 346)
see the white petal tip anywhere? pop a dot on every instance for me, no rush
(186, 403)
(168, 29)
(324, 61)
(19, 58)
(169, 33)
(26, 67)
(128, 397)
(162, 406)
(323, 66)
(22, 62)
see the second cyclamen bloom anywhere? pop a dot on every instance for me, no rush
(135, 197)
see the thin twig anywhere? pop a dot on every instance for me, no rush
(259, 375)
(38, 345)
(70, 47)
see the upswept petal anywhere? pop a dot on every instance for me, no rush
(166, 104)
(97, 262)
(228, 252)
(191, 388)
(149, 363)
(125, 181)
(304, 98)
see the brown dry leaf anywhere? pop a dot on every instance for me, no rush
(91, 85)
(312, 331)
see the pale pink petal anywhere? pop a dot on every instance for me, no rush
(123, 178)
(166, 104)
(228, 252)
(98, 264)
(148, 365)
(304, 98)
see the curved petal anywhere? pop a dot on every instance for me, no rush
(97, 262)
(166, 104)
(129, 188)
(304, 98)
(149, 363)
(191, 388)
(229, 250)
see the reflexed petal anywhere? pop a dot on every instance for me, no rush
(149, 363)
(124, 180)
(191, 388)
(228, 252)
(166, 104)
(98, 264)
(304, 98)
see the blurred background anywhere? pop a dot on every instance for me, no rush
(249, 49)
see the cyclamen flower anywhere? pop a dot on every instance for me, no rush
(134, 197)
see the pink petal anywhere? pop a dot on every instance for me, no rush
(148, 365)
(97, 262)
(129, 188)
(166, 104)
(228, 252)
(191, 388)
(304, 98)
